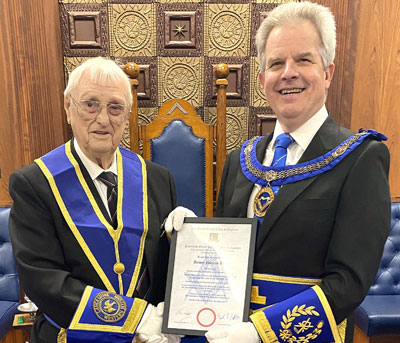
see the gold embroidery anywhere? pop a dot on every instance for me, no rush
(256, 298)
(286, 279)
(303, 326)
(263, 327)
(129, 326)
(342, 330)
(135, 315)
(287, 320)
(328, 313)
(62, 336)
(109, 307)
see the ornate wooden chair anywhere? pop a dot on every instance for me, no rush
(178, 139)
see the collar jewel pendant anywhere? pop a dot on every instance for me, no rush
(264, 197)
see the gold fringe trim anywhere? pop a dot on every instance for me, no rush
(263, 327)
(342, 330)
(286, 279)
(62, 336)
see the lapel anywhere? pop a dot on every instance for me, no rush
(243, 187)
(324, 140)
(91, 185)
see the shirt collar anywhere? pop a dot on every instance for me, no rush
(94, 169)
(306, 132)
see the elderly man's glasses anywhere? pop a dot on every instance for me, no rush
(90, 109)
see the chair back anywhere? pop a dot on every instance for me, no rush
(178, 139)
(9, 287)
(388, 277)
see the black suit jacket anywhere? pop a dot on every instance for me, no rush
(332, 226)
(52, 267)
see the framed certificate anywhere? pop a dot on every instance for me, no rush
(209, 275)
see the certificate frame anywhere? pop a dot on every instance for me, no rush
(200, 227)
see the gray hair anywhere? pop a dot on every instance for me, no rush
(294, 12)
(100, 70)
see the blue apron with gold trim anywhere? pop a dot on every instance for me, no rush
(292, 309)
(116, 255)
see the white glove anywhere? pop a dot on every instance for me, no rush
(149, 328)
(241, 332)
(151, 339)
(172, 338)
(164, 338)
(176, 217)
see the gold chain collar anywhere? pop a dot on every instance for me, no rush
(271, 175)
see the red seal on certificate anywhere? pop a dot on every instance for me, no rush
(206, 317)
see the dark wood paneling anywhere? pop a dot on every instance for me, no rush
(339, 102)
(376, 100)
(31, 84)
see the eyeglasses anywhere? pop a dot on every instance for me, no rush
(92, 108)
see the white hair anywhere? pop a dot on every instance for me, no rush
(102, 71)
(296, 12)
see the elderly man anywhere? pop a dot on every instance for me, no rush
(85, 223)
(319, 191)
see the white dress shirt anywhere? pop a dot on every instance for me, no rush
(302, 137)
(95, 170)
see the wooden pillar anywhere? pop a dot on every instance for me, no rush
(221, 73)
(132, 70)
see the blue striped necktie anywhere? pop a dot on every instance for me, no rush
(282, 142)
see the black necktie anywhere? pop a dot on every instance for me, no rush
(109, 179)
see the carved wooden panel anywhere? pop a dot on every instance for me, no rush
(227, 29)
(265, 124)
(259, 13)
(146, 115)
(132, 29)
(177, 44)
(181, 77)
(257, 97)
(147, 89)
(84, 29)
(261, 121)
(183, 27)
(236, 125)
(237, 92)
